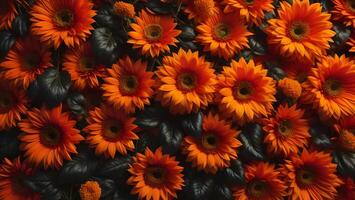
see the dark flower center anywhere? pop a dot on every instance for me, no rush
(64, 18)
(257, 188)
(301, 77)
(187, 81)
(18, 185)
(50, 135)
(332, 87)
(31, 61)
(153, 32)
(112, 130)
(209, 141)
(155, 175)
(299, 30)
(285, 128)
(222, 31)
(249, 2)
(129, 84)
(6, 102)
(305, 177)
(243, 90)
(87, 64)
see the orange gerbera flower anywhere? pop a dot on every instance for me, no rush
(186, 82)
(245, 92)
(262, 182)
(12, 187)
(129, 85)
(62, 21)
(12, 105)
(290, 88)
(331, 87)
(200, 10)
(155, 176)
(301, 30)
(312, 175)
(153, 34)
(110, 130)
(251, 10)
(83, 69)
(287, 132)
(124, 9)
(8, 13)
(216, 146)
(223, 35)
(344, 11)
(25, 61)
(90, 190)
(49, 136)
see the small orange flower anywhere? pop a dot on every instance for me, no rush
(200, 10)
(155, 176)
(8, 13)
(153, 34)
(290, 88)
(90, 190)
(124, 9)
(344, 11)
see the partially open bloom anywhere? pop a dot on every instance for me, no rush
(344, 11)
(290, 88)
(90, 190)
(200, 10)
(8, 13)
(124, 9)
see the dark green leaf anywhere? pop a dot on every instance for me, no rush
(7, 40)
(42, 183)
(234, 175)
(170, 137)
(192, 124)
(252, 140)
(76, 103)
(9, 144)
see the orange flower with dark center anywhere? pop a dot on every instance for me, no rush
(12, 176)
(186, 82)
(155, 175)
(153, 34)
(223, 35)
(110, 130)
(301, 30)
(12, 105)
(287, 132)
(124, 9)
(290, 88)
(263, 181)
(245, 92)
(344, 11)
(82, 68)
(331, 87)
(251, 10)
(90, 190)
(49, 137)
(59, 22)
(128, 85)
(216, 146)
(8, 13)
(25, 61)
(311, 175)
(200, 10)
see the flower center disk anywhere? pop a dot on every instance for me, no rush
(305, 177)
(112, 130)
(243, 90)
(299, 30)
(222, 31)
(153, 32)
(257, 188)
(332, 87)
(155, 175)
(129, 84)
(209, 141)
(50, 135)
(187, 81)
(31, 61)
(285, 128)
(64, 18)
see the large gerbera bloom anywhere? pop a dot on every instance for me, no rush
(62, 21)
(200, 10)
(12, 187)
(331, 87)
(216, 146)
(301, 30)
(186, 82)
(155, 176)
(129, 85)
(12, 105)
(27, 59)
(262, 181)
(287, 132)
(223, 34)
(344, 11)
(245, 92)
(251, 10)
(8, 13)
(153, 34)
(110, 130)
(83, 69)
(49, 136)
(311, 175)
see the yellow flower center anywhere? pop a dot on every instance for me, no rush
(6, 102)
(155, 176)
(31, 61)
(209, 141)
(64, 18)
(332, 87)
(129, 84)
(222, 31)
(112, 130)
(243, 90)
(153, 32)
(305, 177)
(351, 5)
(187, 81)
(86, 64)
(50, 135)
(257, 188)
(285, 128)
(299, 30)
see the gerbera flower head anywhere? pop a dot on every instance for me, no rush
(128, 85)
(263, 181)
(124, 9)
(82, 68)
(90, 190)
(12, 104)
(344, 11)
(286, 132)
(216, 146)
(200, 10)
(223, 34)
(8, 13)
(331, 87)
(155, 175)
(153, 33)
(59, 22)
(290, 88)
(311, 175)
(186, 82)
(12, 187)
(251, 10)
(25, 61)
(245, 92)
(110, 130)
(49, 137)
(301, 30)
